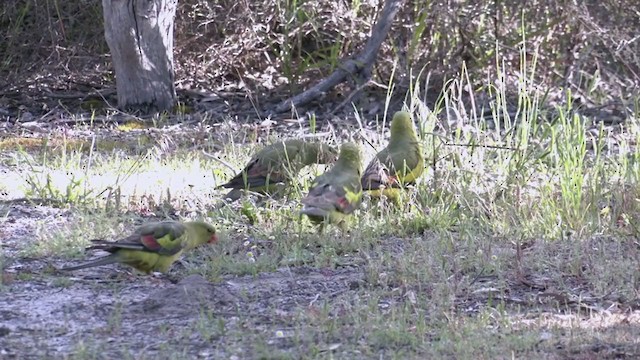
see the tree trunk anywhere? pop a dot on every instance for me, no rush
(140, 36)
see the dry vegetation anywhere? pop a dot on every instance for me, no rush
(267, 51)
(521, 240)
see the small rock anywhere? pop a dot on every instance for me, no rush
(4, 331)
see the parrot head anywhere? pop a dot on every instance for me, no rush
(205, 233)
(401, 125)
(350, 157)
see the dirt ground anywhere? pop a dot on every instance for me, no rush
(48, 315)
(57, 79)
(294, 312)
(141, 319)
(108, 313)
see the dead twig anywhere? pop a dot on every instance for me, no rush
(361, 65)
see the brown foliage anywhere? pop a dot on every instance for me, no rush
(269, 47)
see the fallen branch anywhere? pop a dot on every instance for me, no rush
(358, 67)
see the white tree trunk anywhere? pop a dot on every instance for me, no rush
(140, 36)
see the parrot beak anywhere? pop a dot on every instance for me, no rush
(213, 239)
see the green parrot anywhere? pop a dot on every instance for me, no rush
(154, 246)
(277, 165)
(397, 165)
(336, 194)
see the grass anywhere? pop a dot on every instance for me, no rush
(519, 240)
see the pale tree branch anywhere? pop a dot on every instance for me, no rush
(359, 68)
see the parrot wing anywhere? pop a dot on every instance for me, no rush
(164, 238)
(337, 193)
(327, 198)
(257, 174)
(393, 169)
(377, 175)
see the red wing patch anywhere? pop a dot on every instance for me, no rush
(393, 180)
(150, 242)
(377, 176)
(213, 239)
(342, 203)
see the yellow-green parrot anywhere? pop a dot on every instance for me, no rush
(397, 165)
(336, 194)
(277, 165)
(154, 246)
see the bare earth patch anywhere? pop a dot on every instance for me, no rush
(143, 318)
(298, 312)
(49, 316)
(519, 241)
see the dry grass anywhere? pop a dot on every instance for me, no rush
(275, 49)
(520, 241)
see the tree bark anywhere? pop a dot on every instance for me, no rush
(140, 36)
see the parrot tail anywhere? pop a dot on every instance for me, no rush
(102, 261)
